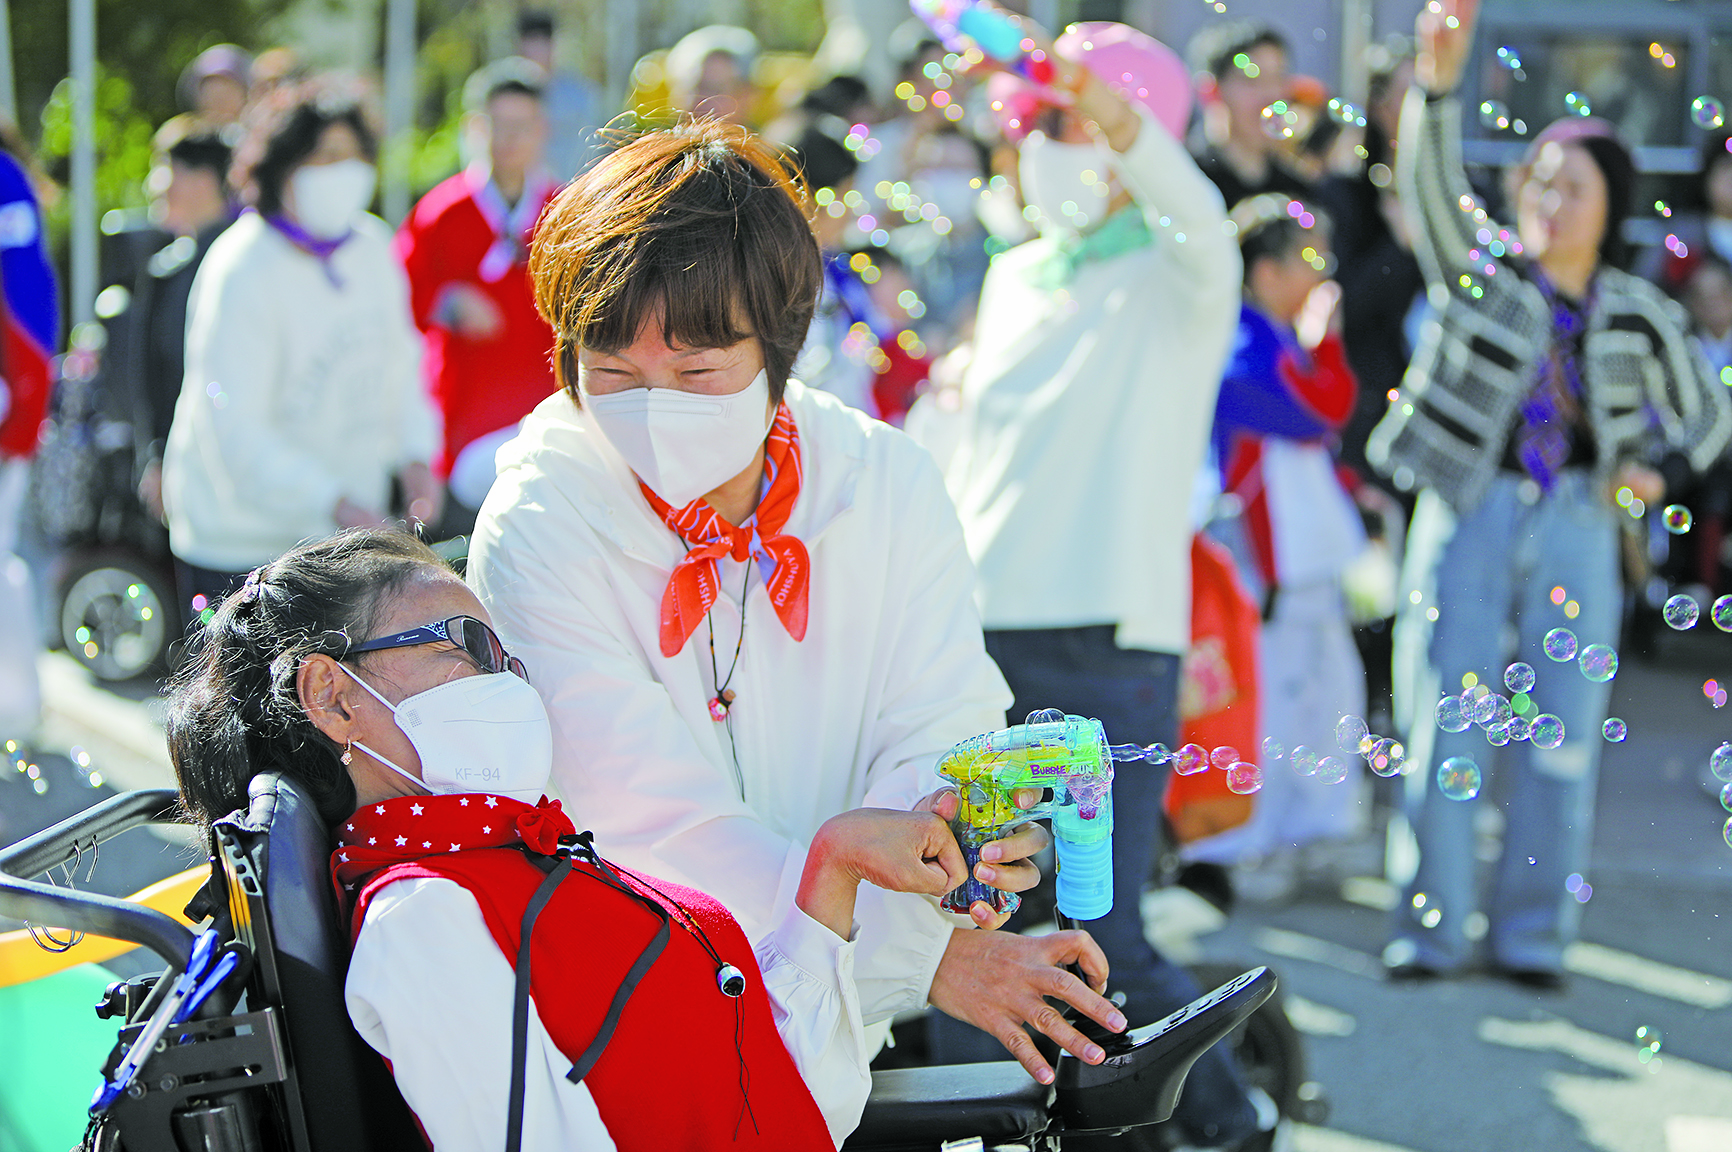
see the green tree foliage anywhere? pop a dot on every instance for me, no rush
(146, 43)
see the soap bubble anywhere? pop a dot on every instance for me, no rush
(1304, 760)
(1614, 730)
(1244, 779)
(1497, 735)
(1280, 120)
(1707, 112)
(1494, 114)
(1681, 612)
(1519, 677)
(1492, 709)
(1721, 763)
(1578, 103)
(1677, 519)
(1518, 728)
(1560, 644)
(1599, 662)
(1386, 757)
(1224, 757)
(1332, 770)
(1726, 832)
(1045, 716)
(1352, 734)
(1721, 613)
(1547, 731)
(1458, 778)
(1726, 797)
(1509, 58)
(1451, 715)
(1190, 760)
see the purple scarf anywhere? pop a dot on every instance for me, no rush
(319, 249)
(1553, 407)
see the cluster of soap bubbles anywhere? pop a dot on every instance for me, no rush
(1598, 662)
(1648, 1047)
(1243, 777)
(1720, 763)
(1682, 612)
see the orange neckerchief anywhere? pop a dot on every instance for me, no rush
(692, 588)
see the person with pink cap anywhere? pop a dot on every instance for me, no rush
(1086, 412)
(1553, 388)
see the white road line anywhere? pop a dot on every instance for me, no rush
(1628, 1109)
(1309, 1139)
(1697, 989)
(1316, 1019)
(1298, 946)
(1698, 1134)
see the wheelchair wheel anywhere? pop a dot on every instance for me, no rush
(117, 615)
(1269, 1050)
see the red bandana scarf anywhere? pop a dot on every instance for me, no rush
(406, 828)
(692, 588)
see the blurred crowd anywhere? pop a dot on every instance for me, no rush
(389, 364)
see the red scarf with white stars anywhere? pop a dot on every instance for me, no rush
(586, 939)
(692, 588)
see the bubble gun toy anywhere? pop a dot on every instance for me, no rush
(1067, 754)
(955, 22)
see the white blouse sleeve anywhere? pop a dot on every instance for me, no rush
(809, 974)
(429, 989)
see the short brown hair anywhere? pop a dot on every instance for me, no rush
(703, 223)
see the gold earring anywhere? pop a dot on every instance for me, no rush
(349, 754)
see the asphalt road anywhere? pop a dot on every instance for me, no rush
(1469, 1065)
(1479, 1064)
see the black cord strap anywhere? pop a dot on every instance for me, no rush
(520, 1006)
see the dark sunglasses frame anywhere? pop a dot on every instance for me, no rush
(474, 638)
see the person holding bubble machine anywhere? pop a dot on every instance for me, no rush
(1086, 409)
(1553, 389)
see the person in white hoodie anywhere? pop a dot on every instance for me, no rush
(749, 606)
(302, 399)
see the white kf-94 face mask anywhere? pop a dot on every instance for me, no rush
(683, 444)
(486, 733)
(328, 197)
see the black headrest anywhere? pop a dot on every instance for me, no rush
(350, 1102)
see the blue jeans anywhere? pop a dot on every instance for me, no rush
(1493, 574)
(1134, 694)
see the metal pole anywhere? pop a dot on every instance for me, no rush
(8, 93)
(399, 105)
(82, 14)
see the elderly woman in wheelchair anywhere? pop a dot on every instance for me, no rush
(512, 978)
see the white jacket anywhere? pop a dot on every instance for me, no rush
(298, 392)
(1087, 410)
(572, 562)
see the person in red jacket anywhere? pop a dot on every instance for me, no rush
(1286, 392)
(464, 247)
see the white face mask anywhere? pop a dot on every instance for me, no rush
(1057, 176)
(486, 733)
(680, 443)
(328, 196)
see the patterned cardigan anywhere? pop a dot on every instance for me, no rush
(1650, 397)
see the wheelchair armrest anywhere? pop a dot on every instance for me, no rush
(923, 1107)
(55, 907)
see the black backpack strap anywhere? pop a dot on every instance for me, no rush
(557, 872)
(520, 1005)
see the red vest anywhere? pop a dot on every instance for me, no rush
(671, 1076)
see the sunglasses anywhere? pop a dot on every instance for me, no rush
(476, 639)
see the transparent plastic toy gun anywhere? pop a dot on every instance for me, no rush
(956, 22)
(1067, 754)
